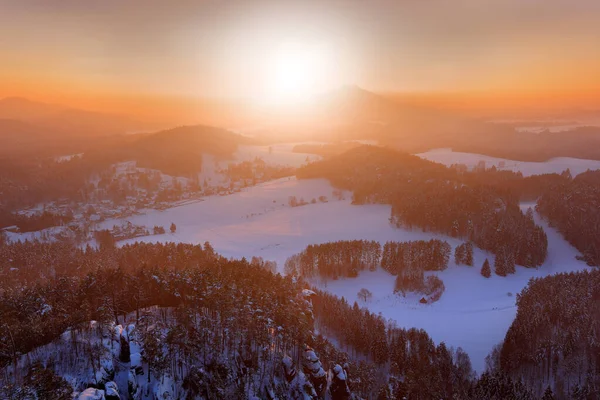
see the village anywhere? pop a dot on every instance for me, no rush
(126, 190)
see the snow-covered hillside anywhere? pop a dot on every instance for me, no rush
(555, 165)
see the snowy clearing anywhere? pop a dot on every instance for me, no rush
(527, 168)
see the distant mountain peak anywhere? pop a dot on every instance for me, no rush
(352, 90)
(14, 98)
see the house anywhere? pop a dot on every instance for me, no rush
(12, 228)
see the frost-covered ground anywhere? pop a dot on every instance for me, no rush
(473, 313)
(555, 165)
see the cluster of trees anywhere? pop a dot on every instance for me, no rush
(477, 214)
(41, 383)
(34, 222)
(409, 261)
(499, 386)
(20, 262)
(257, 170)
(480, 206)
(554, 340)
(158, 230)
(463, 254)
(424, 255)
(574, 209)
(486, 271)
(415, 281)
(504, 263)
(82, 285)
(345, 258)
(213, 308)
(265, 264)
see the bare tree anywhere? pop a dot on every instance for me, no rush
(364, 294)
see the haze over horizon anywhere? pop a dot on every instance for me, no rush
(143, 58)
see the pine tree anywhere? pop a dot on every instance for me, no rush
(43, 384)
(509, 263)
(485, 269)
(173, 227)
(548, 395)
(459, 255)
(125, 353)
(469, 254)
(580, 392)
(500, 264)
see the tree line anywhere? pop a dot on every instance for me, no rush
(332, 260)
(574, 209)
(553, 341)
(409, 261)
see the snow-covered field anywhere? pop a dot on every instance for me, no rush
(259, 222)
(555, 165)
(473, 313)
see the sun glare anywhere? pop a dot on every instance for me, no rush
(296, 72)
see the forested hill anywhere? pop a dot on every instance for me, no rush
(574, 209)
(178, 151)
(374, 171)
(222, 329)
(481, 206)
(554, 339)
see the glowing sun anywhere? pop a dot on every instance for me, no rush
(296, 72)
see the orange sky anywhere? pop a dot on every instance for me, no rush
(142, 55)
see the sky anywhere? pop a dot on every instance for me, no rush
(73, 50)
